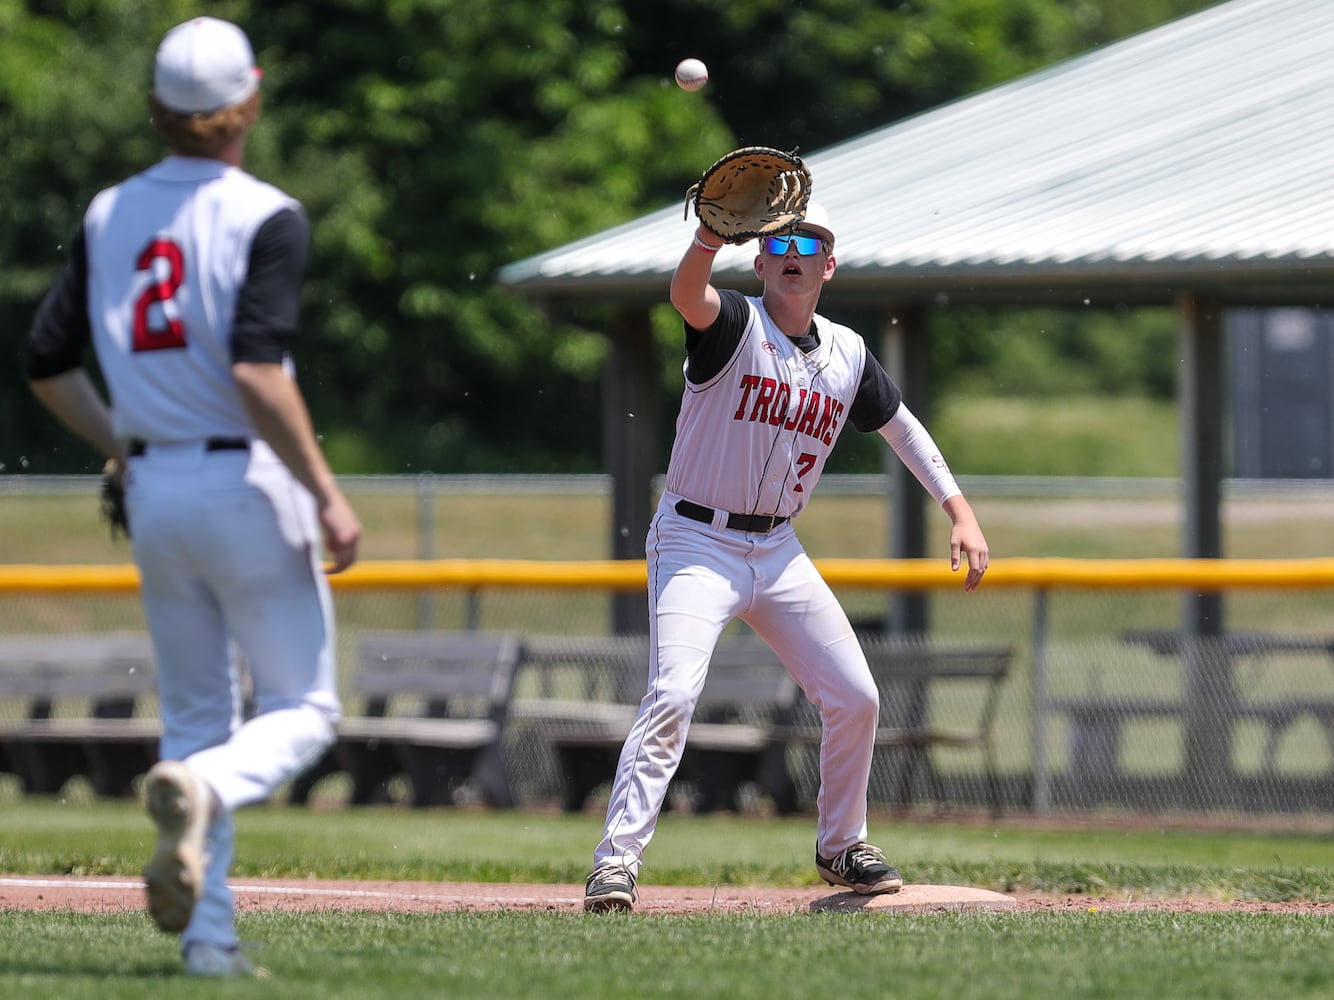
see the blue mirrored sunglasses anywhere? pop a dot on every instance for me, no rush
(804, 245)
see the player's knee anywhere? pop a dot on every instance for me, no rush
(328, 723)
(854, 706)
(677, 707)
(672, 708)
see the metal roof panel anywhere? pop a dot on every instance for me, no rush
(1208, 139)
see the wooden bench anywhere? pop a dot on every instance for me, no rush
(909, 672)
(82, 693)
(435, 706)
(745, 692)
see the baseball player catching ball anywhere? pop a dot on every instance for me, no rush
(769, 385)
(186, 281)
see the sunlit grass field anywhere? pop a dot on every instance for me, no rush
(490, 956)
(1072, 436)
(1086, 950)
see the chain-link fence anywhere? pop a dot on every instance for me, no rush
(1104, 702)
(1127, 684)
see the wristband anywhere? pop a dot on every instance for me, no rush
(704, 246)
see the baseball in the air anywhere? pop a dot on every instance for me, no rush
(691, 74)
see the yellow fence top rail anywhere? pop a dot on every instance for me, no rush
(908, 574)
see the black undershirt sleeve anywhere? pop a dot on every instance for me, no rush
(268, 307)
(61, 333)
(877, 399)
(707, 351)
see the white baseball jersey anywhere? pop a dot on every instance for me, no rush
(769, 418)
(168, 251)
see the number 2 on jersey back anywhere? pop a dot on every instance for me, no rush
(169, 333)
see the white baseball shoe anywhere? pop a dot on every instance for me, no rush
(216, 962)
(180, 804)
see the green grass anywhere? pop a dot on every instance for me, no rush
(1082, 951)
(1070, 436)
(491, 955)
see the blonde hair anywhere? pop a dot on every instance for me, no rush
(202, 134)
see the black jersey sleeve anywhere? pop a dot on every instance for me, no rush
(707, 351)
(268, 307)
(61, 332)
(877, 399)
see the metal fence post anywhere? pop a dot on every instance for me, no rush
(426, 489)
(1041, 705)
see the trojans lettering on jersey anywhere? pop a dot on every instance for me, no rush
(754, 438)
(770, 401)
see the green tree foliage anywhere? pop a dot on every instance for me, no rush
(817, 72)
(435, 140)
(469, 135)
(1060, 352)
(72, 115)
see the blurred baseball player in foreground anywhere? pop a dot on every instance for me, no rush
(186, 280)
(769, 384)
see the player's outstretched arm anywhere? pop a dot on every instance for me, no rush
(917, 450)
(692, 293)
(279, 413)
(966, 541)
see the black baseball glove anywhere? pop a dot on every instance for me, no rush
(752, 191)
(113, 499)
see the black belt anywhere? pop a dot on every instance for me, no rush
(762, 523)
(140, 447)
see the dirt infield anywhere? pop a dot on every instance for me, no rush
(119, 895)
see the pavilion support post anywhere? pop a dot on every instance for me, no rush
(1209, 691)
(631, 407)
(906, 356)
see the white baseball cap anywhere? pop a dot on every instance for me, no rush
(204, 65)
(817, 221)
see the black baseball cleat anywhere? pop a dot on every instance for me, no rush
(861, 868)
(610, 887)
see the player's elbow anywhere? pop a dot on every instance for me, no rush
(695, 307)
(680, 296)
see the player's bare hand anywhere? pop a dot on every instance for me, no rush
(970, 544)
(967, 542)
(342, 533)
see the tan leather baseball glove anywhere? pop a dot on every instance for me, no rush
(752, 191)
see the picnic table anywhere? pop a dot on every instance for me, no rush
(1209, 708)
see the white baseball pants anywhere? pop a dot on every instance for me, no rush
(228, 548)
(700, 578)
